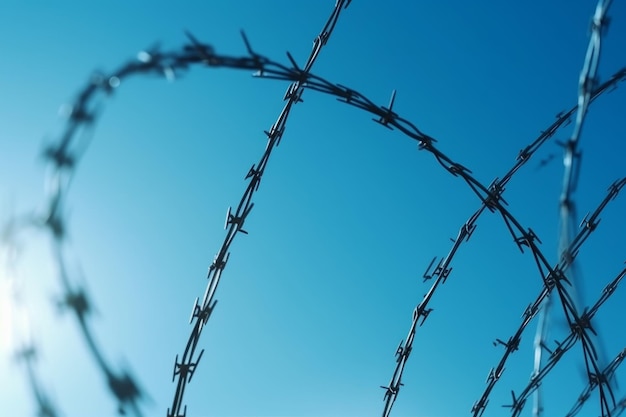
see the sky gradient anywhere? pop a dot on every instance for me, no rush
(315, 300)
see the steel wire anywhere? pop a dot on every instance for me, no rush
(66, 153)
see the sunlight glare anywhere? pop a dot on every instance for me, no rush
(6, 315)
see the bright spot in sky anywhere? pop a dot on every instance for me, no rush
(14, 321)
(6, 315)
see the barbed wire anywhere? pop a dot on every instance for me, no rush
(63, 158)
(540, 339)
(124, 387)
(596, 380)
(571, 172)
(555, 278)
(571, 158)
(608, 373)
(167, 64)
(65, 155)
(185, 368)
(491, 196)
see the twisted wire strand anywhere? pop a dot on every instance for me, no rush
(540, 340)
(572, 156)
(185, 368)
(597, 380)
(586, 83)
(608, 373)
(571, 163)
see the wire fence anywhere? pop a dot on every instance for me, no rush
(63, 155)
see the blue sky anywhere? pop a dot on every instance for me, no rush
(315, 300)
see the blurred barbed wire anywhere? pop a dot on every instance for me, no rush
(571, 172)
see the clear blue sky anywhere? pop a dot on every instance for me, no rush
(315, 300)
